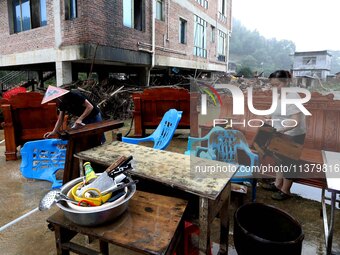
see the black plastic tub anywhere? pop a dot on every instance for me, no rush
(266, 230)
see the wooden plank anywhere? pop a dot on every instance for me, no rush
(9, 132)
(139, 129)
(76, 248)
(95, 128)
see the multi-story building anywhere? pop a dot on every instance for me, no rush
(315, 64)
(118, 36)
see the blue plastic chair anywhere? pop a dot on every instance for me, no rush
(222, 146)
(163, 133)
(41, 159)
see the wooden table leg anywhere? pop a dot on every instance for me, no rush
(328, 224)
(224, 219)
(104, 247)
(68, 169)
(177, 243)
(204, 224)
(62, 235)
(208, 210)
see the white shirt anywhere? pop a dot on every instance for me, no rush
(291, 110)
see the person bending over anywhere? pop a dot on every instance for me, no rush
(74, 103)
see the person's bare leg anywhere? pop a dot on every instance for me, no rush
(279, 180)
(286, 185)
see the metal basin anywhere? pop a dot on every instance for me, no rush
(97, 217)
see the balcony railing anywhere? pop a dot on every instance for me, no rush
(222, 17)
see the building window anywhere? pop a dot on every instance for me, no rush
(317, 74)
(133, 14)
(43, 14)
(160, 9)
(222, 45)
(22, 15)
(71, 9)
(203, 3)
(28, 14)
(200, 42)
(213, 34)
(222, 10)
(309, 60)
(182, 31)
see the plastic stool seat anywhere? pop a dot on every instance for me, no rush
(41, 159)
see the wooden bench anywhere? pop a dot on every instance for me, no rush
(25, 119)
(151, 104)
(322, 127)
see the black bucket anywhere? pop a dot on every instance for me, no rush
(266, 230)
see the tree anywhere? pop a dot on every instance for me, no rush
(250, 49)
(246, 72)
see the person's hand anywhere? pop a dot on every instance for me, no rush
(268, 128)
(77, 124)
(268, 120)
(48, 134)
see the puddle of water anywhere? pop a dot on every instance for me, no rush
(307, 192)
(311, 193)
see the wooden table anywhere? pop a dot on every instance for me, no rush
(332, 161)
(82, 139)
(152, 224)
(177, 171)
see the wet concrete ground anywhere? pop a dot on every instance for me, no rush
(31, 236)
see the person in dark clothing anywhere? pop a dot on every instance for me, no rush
(72, 102)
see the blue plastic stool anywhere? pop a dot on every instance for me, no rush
(41, 159)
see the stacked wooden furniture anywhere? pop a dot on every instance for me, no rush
(151, 104)
(25, 119)
(322, 126)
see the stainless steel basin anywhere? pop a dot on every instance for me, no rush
(97, 217)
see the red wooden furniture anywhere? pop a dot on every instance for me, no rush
(322, 126)
(151, 105)
(25, 119)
